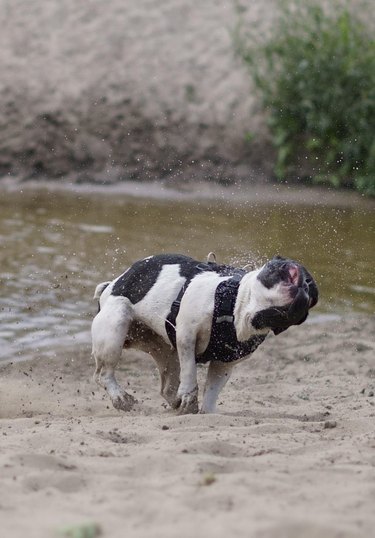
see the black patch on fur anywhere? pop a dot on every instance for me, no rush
(138, 280)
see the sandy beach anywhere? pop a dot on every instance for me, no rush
(291, 452)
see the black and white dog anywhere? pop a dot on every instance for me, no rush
(183, 312)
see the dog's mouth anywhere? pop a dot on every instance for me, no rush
(290, 274)
(293, 274)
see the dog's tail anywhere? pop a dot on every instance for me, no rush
(100, 288)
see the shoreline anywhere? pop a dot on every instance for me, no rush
(237, 193)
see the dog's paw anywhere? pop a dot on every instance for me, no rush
(173, 401)
(124, 402)
(189, 403)
(170, 395)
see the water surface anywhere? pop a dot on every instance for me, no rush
(56, 246)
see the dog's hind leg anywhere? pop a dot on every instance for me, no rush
(109, 330)
(217, 377)
(169, 369)
(166, 358)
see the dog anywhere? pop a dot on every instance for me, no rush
(184, 312)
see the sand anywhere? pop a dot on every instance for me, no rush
(291, 452)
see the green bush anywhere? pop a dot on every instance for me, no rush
(316, 75)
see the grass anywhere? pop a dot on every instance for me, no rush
(316, 76)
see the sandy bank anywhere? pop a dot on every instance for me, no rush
(238, 193)
(127, 89)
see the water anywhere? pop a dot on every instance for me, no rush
(56, 246)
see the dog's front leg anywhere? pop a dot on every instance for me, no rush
(188, 389)
(217, 377)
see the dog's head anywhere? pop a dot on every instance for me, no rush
(283, 292)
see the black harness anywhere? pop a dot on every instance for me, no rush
(223, 345)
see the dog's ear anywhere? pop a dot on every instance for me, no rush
(303, 319)
(278, 330)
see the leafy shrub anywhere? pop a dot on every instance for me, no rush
(316, 75)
